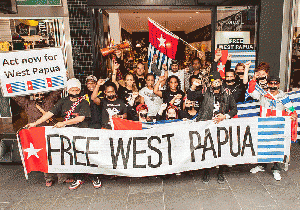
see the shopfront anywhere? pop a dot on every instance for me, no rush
(262, 27)
(34, 25)
(258, 30)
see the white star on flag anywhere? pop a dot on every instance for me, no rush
(32, 151)
(161, 41)
(221, 66)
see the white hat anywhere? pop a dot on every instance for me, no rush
(91, 77)
(73, 83)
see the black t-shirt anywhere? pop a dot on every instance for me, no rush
(196, 96)
(82, 109)
(185, 114)
(168, 95)
(140, 82)
(110, 108)
(95, 110)
(124, 94)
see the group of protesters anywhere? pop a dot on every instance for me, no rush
(198, 92)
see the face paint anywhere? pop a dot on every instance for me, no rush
(143, 115)
(273, 88)
(111, 96)
(216, 87)
(171, 118)
(74, 95)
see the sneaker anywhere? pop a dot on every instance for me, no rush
(276, 175)
(257, 169)
(74, 185)
(49, 183)
(96, 182)
(206, 178)
(221, 179)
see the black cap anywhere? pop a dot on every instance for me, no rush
(214, 76)
(174, 62)
(273, 78)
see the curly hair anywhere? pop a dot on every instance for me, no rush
(168, 82)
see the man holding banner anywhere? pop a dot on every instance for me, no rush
(218, 105)
(273, 103)
(75, 109)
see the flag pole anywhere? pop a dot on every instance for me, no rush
(174, 35)
(22, 156)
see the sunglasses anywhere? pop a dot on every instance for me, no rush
(261, 78)
(240, 73)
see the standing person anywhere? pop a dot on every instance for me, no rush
(111, 106)
(126, 89)
(148, 97)
(75, 110)
(181, 74)
(95, 120)
(140, 76)
(278, 105)
(217, 105)
(35, 109)
(236, 89)
(172, 95)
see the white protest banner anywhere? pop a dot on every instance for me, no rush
(32, 71)
(164, 149)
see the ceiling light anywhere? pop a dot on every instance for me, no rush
(197, 12)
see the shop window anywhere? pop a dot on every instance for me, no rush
(236, 34)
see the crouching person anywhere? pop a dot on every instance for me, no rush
(218, 105)
(74, 109)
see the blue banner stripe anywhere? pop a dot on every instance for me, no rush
(264, 119)
(244, 55)
(270, 146)
(256, 114)
(269, 140)
(239, 51)
(262, 160)
(248, 107)
(270, 132)
(272, 126)
(271, 153)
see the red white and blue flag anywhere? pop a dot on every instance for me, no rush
(238, 56)
(162, 43)
(15, 87)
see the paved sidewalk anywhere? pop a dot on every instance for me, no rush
(241, 190)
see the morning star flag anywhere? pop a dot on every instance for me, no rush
(163, 149)
(238, 56)
(162, 43)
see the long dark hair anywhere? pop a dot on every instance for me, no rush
(168, 81)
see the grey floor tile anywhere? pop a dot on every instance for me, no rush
(239, 181)
(285, 196)
(112, 201)
(218, 199)
(145, 185)
(72, 203)
(266, 178)
(146, 201)
(181, 199)
(254, 198)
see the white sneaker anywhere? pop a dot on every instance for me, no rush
(276, 175)
(257, 169)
